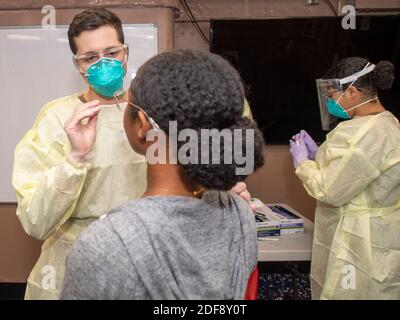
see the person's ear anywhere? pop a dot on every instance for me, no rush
(352, 92)
(143, 125)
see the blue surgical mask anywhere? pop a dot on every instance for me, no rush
(106, 76)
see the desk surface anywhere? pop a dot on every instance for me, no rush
(295, 247)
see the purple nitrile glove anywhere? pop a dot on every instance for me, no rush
(299, 152)
(312, 147)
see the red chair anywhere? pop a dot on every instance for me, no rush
(252, 286)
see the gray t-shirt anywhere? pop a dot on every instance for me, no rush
(166, 247)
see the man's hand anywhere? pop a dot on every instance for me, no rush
(82, 137)
(241, 190)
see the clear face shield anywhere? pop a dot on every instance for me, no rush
(326, 88)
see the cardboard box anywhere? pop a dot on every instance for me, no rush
(265, 227)
(269, 216)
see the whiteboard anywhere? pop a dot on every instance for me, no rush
(35, 68)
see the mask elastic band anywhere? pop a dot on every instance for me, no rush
(362, 103)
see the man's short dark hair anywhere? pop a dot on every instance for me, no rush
(93, 19)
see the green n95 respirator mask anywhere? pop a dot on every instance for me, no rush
(106, 76)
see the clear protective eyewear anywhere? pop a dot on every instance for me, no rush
(327, 87)
(83, 61)
(152, 122)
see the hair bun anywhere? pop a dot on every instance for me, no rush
(383, 75)
(223, 176)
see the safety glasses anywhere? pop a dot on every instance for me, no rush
(117, 102)
(83, 61)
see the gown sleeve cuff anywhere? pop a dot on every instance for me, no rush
(78, 165)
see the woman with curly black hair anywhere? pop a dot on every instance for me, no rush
(355, 177)
(188, 237)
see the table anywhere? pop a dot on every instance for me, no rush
(291, 254)
(295, 247)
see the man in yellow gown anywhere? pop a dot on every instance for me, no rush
(75, 164)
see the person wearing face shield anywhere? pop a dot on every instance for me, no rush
(75, 164)
(355, 178)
